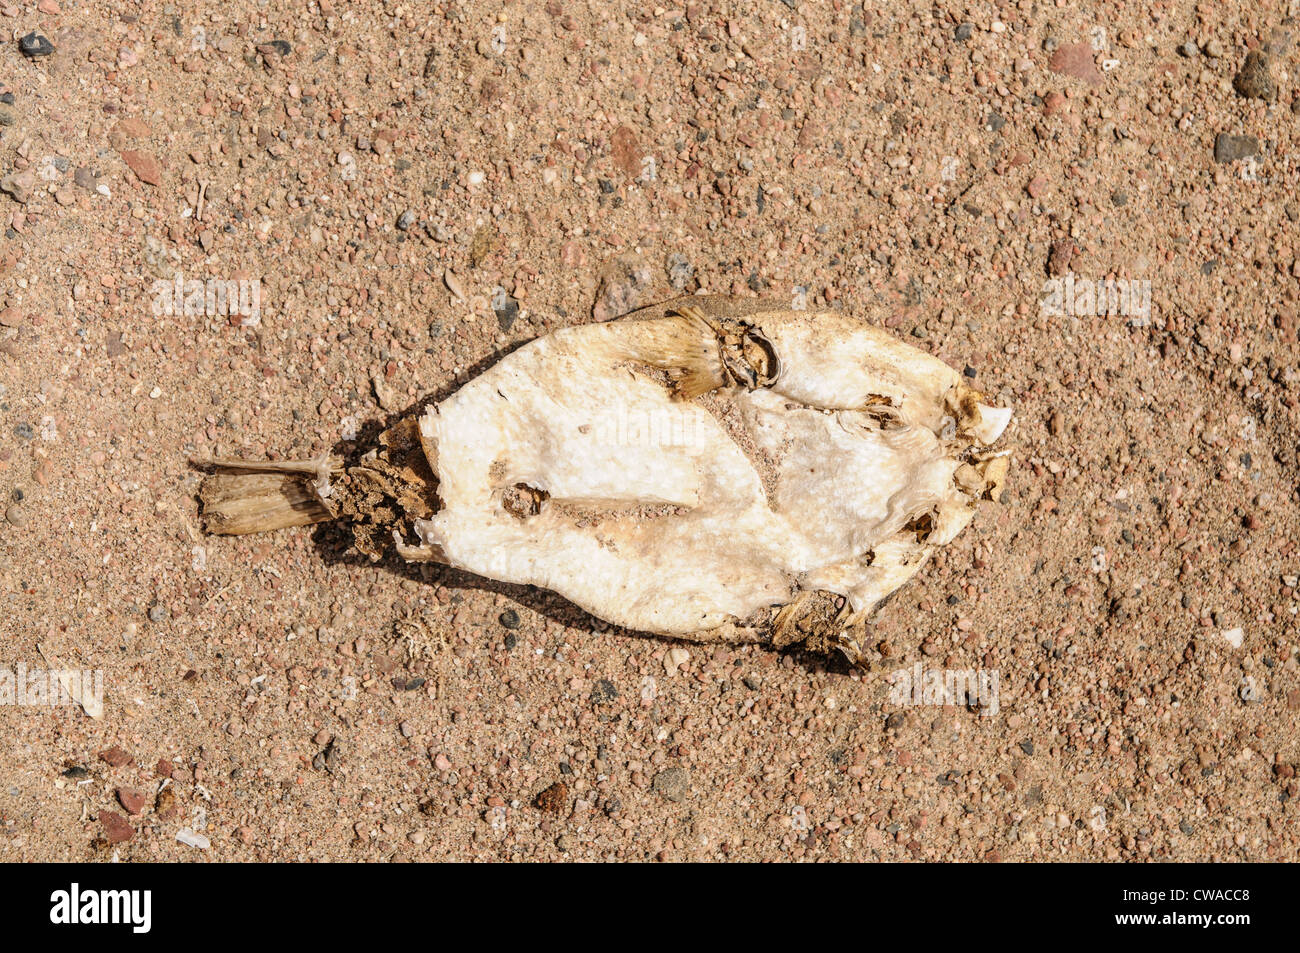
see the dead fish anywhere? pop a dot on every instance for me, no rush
(711, 468)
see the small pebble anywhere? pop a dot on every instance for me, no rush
(1253, 80)
(671, 784)
(190, 839)
(1231, 148)
(35, 45)
(117, 829)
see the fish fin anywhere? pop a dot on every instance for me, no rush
(238, 503)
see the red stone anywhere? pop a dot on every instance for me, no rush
(131, 799)
(626, 150)
(1077, 60)
(143, 165)
(116, 757)
(116, 827)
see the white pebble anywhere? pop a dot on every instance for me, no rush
(191, 839)
(675, 659)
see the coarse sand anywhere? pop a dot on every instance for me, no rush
(253, 229)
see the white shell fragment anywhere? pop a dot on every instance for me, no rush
(191, 839)
(696, 464)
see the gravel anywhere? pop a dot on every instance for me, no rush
(738, 165)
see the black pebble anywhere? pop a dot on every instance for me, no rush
(34, 45)
(506, 313)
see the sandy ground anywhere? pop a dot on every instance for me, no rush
(418, 187)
